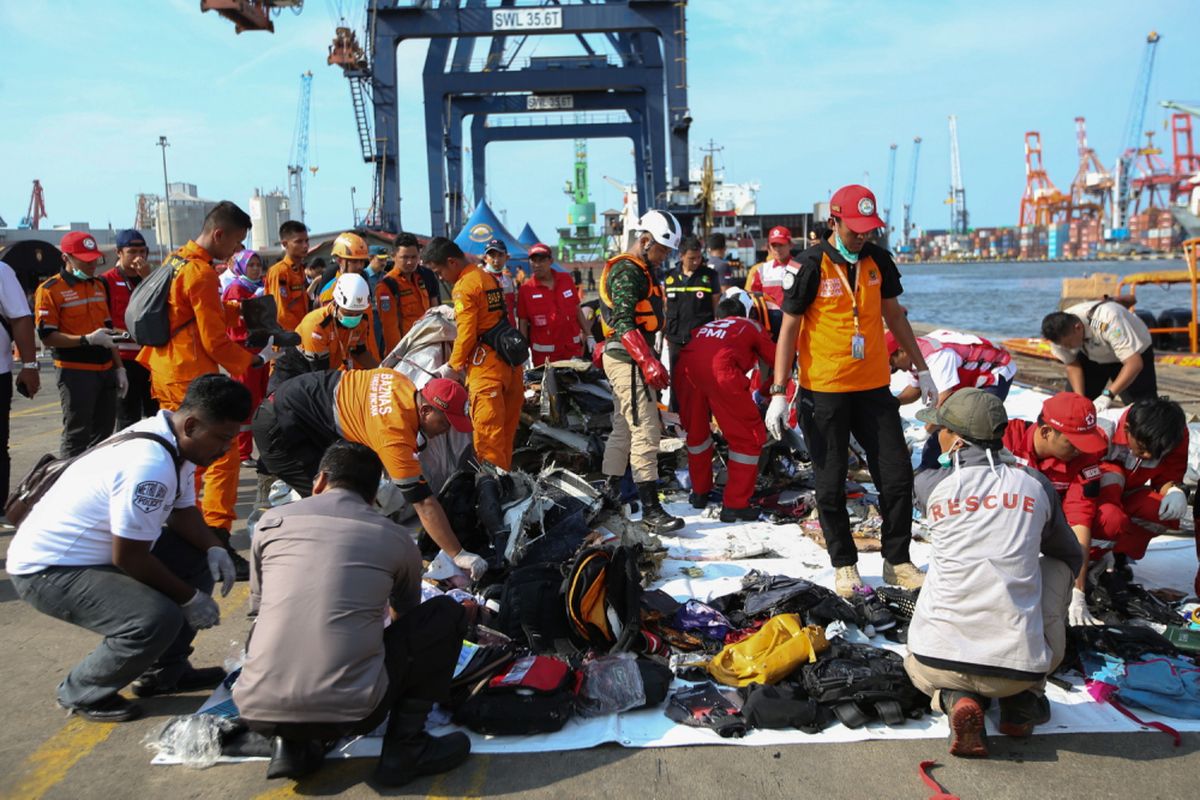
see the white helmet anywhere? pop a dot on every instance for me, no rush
(351, 293)
(662, 227)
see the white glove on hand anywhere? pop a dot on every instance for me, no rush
(1173, 505)
(1077, 612)
(201, 611)
(929, 391)
(777, 413)
(447, 371)
(474, 565)
(269, 352)
(1102, 403)
(122, 383)
(101, 337)
(221, 566)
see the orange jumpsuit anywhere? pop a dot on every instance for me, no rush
(286, 283)
(400, 300)
(199, 345)
(331, 346)
(497, 389)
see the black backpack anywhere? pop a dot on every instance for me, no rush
(146, 317)
(532, 609)
(859, 683)
(49, 468)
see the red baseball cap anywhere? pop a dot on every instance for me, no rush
(893, 344)
(854, 205)
(81, 245)
(540, 249)
(1074, 416)
(779, 235)
(451, 397)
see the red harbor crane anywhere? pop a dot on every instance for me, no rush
(250, 15)
(1042, 203)
(37, 208)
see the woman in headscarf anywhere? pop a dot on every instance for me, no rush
(247, 270)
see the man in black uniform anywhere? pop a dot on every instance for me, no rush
(693, 292)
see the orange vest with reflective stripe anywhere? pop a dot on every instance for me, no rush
(647, 314)
(827, 326)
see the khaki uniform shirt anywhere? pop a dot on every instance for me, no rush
(1110, 336)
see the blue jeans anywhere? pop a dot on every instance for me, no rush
(144, 631)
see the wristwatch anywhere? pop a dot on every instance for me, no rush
(31, 365)
(777, 388)
(1107, 393)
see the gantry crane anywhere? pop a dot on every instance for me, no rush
(912, 191)
(1123, 194)
(299, 160)
(958, 194)
(250, 15)
(888, 195)
(1042, 203)
(37, 209)
(1091, 189)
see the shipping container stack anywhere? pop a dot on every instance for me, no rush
(1154, 228)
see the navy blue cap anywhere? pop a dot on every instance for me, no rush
(496, 244)
(130, 238)
(378, 250)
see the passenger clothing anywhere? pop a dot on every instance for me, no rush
(1076, 482)
(552, 313)
(712, 380)
(285, 282)
(980, 609)
(1111, 333)
(316, 653)
(1057, 581)
(690, 302)
(66, 304)
(828, 419)
(144, 630)
(127, 489)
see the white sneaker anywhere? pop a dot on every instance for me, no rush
(847, 581)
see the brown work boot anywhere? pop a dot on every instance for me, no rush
(1022, 712)
(968, 738)
(905, 575)
(847, 581)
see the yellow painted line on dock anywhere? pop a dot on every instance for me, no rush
(48, 765)
(29, 412)
(331, 776)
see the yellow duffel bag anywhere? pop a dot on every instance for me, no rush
(771, 654)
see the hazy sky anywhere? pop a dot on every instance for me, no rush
(803, 96)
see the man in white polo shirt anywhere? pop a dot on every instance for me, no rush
(117, 546)
(1107, 350)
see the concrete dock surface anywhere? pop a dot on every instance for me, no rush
(44, 753)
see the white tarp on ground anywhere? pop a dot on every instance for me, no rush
(704, 543)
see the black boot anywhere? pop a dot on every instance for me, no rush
(654, 517)
(240, 565)
(698, 501)
(295, 758)
(409, 752)
(491, 516)
(263, 324)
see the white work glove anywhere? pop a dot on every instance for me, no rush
(472, 564)
(221, 566)
(201, 611)
(269, 352)
(1173, 505)
(122, 383)
(1103, 402)
(929, 390)
(447, 371)
(101, 337)
(777, 413)
(1077, 612)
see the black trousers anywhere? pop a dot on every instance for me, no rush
(828, 419)
(6, 391)
(89, 407)
(1096, 377)
(420, 651)
(137, 403)
(294, 461)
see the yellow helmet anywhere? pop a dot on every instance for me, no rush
(350, 245)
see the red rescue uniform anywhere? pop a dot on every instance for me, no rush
(552, 313)
(1077, 481)
(713, 379)
(1127, 511)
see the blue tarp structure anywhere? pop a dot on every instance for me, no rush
(481, 228)
(528, 237)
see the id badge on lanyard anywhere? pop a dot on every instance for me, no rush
(858, 342)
